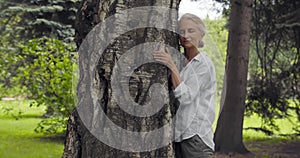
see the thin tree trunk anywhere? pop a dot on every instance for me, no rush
(96, 90)
(228, 136)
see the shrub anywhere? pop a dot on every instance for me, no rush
(47, 72)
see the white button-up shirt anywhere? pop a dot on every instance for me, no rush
(196, 94)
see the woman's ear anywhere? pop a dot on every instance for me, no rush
(202, 33)
(201, 44)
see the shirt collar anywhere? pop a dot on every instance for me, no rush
(198, 56)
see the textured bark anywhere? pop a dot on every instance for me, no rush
(228, 136)
(80, 142)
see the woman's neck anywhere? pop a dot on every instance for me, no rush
(190, 53)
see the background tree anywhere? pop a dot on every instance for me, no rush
(274, 67)
(228, 136)
(273, 89)
(80, 142)
(37, 18)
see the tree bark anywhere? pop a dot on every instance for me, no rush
(95, 88)
(228, 135)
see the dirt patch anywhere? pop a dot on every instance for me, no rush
(269, 149)
(284, 149)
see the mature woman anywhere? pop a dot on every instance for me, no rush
(195, 88)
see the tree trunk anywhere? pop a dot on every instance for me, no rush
(122, 111)
(228, 135)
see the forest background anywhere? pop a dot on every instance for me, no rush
(39, 66)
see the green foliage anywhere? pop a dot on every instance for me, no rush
(215, 44)
(52, 125)
(33, 19)
(218, 31)
(9, 62)
(274, 65)
(9, 111)
(21, 20)
(8, 51)
(47, 72)
(275, 62)
(34, 66)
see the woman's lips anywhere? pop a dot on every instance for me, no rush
(186, 41)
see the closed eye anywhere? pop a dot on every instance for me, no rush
(191, 30)
(181, 32)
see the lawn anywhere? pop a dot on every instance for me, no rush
(17, 136)
(274, 146)
(18, 139)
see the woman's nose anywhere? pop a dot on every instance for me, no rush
(186, 35)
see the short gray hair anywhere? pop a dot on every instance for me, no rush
(196, 19)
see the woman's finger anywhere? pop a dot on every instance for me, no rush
(167, 50)
(162, 58)
(159, 55)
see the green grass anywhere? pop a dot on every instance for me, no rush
(274, 145)
(17, 136)
(18, 139)
(285, 127)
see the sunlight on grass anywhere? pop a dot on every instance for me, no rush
(17, 136)
(285, 125)
(18, 139)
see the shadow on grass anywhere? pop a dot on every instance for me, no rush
(30, 116)
(22, 116)
(275, 146)
(19, 117)
(271, 147)
(59, 138)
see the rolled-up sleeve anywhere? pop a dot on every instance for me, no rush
(190, 86)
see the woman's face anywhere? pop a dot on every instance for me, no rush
(189, 32)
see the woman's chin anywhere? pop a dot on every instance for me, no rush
(188, 45)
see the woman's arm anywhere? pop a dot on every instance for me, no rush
(166, 59)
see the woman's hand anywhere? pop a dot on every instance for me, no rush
(166, 58)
